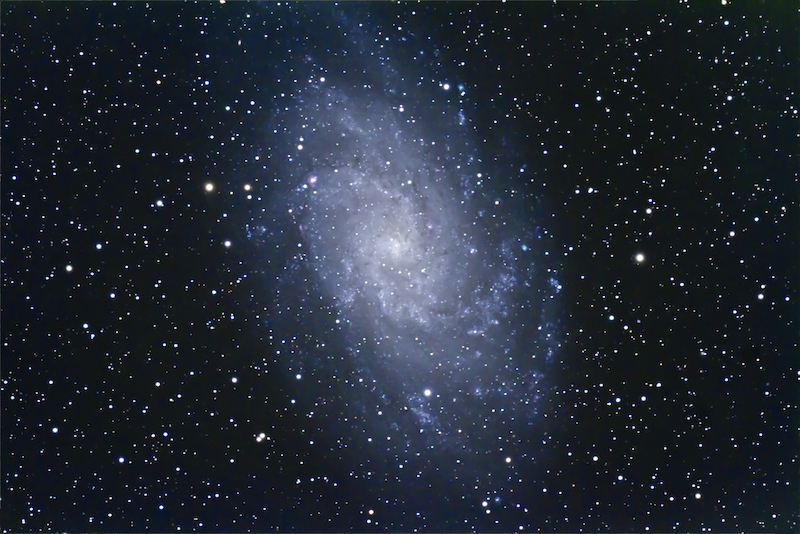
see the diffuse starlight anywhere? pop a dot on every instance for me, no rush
(427, 276)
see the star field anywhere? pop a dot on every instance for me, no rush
(435, 267)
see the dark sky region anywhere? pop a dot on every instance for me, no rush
(399, 267)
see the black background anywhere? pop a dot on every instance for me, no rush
(697, 120)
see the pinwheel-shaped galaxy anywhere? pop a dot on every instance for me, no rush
(432, 275)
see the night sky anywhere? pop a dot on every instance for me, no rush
(437, 267)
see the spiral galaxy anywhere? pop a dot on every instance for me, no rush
(389, 242)
(431, 274)
(411, 288)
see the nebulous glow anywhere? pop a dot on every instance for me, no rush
(429, 274)
(386, 249)
(393, 242)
